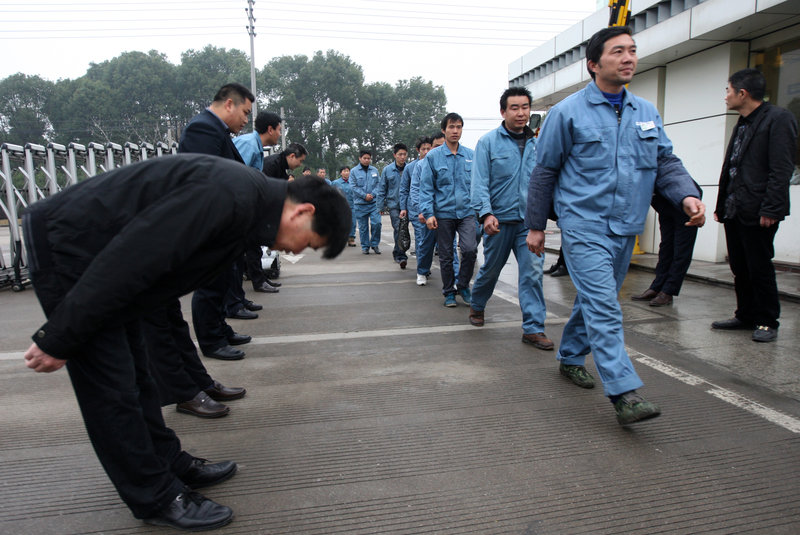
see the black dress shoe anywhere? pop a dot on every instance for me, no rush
(377, 251)
(252, 307)
(225, 353)
(192, 511)
(560, 272)
(243, 314)
(551, 269)
(646, 295)
(201, 473)
(204, 406)
(266, 288)
(274, 284)
(239, 339)
(220, 392)
(733, 324)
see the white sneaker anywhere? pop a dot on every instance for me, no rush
(422, 280)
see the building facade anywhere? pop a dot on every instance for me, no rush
(687, 50)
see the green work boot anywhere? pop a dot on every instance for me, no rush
(577, 374)
(631, 408)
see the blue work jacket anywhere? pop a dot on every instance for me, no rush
(500, 175)
(346, 187)
(405, 185)
(600, 169)
(364, 182)
(389, 189)
(250, 149)
(444, 183)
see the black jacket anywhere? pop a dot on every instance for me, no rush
(207, 134)
(133, 238)
(276, 166)
(765, 167)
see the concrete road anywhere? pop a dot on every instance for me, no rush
(371, 409)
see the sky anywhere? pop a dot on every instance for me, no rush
(463, 45)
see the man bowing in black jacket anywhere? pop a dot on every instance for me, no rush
(108, 250)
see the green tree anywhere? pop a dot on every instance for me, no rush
(22, 109)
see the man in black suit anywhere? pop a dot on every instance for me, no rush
(753, 198)
(184, 217)
(210, 133)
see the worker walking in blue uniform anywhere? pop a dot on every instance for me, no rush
(365, 180)
(504, 160)
(344, 185)
(601, 152)
(389, 191)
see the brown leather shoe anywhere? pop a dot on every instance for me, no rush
(220, 392)
(475, 317)
(203, 406)
(646, 295)
(538, 340)
(661, 300)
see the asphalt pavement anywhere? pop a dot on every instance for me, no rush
(372, 409)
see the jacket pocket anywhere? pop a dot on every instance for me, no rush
(645, 148)
(589, 149)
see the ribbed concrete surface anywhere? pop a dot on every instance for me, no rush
(372, 409)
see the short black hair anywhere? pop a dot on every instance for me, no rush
(295, 148)
(332, 217)
(236, 92)
(265, 119)
(514, 92)
(437, 135)
(362, 152)
(451, 118)
(398, 147)
(594, 49)
(751, 80)
(306, 168)
(421, 141)
(342, 168)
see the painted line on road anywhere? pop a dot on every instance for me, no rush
(729, 396)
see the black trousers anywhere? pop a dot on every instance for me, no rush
(175, 365)
(234, 297)
(254, 271)
(117, 396)
(208, 312)
(675, 250)
(750, 253)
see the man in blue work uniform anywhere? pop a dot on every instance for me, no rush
(504, 160)
(365, 179)
(409, 210)
(427, 241)
(444, 200)
(389, 191)
(343, 184)
(601, 152)
(267, 132)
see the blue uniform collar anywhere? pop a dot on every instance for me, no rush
(595, 96)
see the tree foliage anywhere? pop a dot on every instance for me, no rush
(139, 96)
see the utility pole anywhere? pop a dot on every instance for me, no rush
(251, 30)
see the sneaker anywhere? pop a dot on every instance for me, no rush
(364, 251)
(377, 251)
(631, 408)
(466, 295)
(765, 334)
(450, 300)
(579, 375)
(351, 242)
(422, 280)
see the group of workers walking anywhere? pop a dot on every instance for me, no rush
(196, 218)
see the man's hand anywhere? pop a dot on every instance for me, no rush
(767, 221)
(535, 241)
(369, 197)
(431, 223)
(491, 225)
(39, 361)
(403, 213)
(421, 218)
(696, 211)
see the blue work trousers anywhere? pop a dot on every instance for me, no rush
(496, 249)
(467, 244)
(597, 264)
(369, 218)
(355, 222)
(424, 240)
